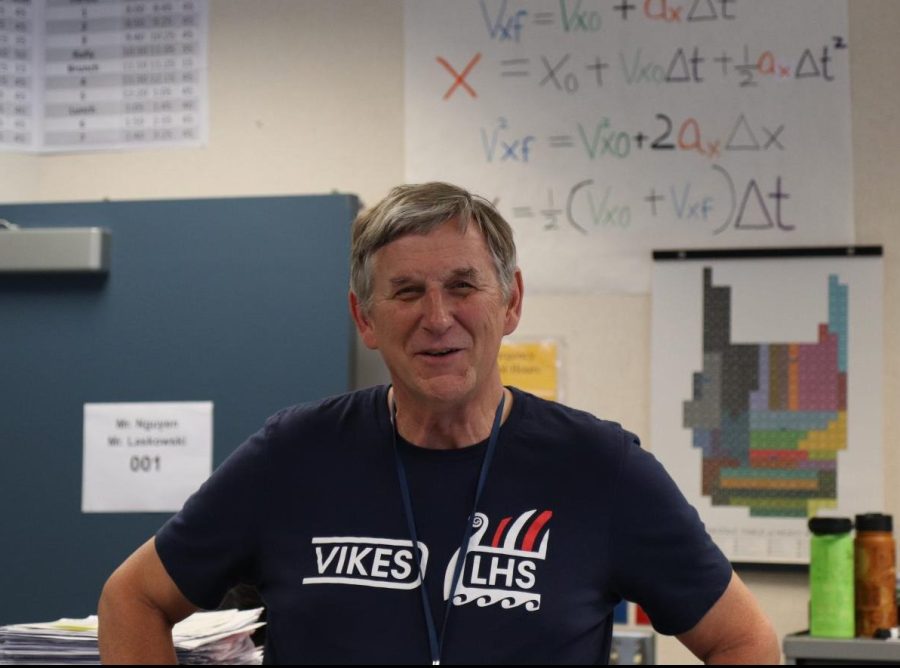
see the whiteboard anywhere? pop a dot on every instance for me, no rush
(605, 129)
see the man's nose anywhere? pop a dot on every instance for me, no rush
(436, 316)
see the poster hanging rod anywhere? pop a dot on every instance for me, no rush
(758, 253)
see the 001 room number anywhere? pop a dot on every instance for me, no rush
(144, 464)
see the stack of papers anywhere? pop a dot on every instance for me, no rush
(222, 636)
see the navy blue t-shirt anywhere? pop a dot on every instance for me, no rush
(574, 517)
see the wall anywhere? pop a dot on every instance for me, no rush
(306, 97)
(18, 177)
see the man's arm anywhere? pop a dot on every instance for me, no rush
(138, 608)
(734, 630)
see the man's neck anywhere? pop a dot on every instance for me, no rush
(443, 427)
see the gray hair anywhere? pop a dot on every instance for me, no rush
(420, 209)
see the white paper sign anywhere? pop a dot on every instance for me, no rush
(144, 457)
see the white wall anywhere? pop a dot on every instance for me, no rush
(306, 97)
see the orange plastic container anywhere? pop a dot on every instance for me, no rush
(875, 574)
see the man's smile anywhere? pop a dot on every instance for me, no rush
(439, 352)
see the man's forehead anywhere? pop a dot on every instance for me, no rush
(450, 228)
(445, 246)
(408, 275)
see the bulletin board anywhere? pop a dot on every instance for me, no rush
(241, 302)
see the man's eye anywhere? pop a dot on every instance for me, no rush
(463, 285)
(407, 292)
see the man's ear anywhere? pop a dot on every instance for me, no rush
(514, 305)
(363, 322)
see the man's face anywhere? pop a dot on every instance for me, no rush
(437, 314)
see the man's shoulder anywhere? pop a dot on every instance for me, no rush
(332, 413)
(568, 425)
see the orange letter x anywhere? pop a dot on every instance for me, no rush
(460, 79)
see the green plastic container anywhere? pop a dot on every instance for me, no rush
(831, 600)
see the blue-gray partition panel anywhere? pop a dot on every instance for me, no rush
(241, 302)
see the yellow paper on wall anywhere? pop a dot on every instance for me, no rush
(531, 366)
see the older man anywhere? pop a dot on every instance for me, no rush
(446, 517)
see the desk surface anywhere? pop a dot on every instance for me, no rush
(801, 648)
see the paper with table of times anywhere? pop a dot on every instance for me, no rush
(101, 75)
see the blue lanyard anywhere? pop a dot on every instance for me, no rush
(434, 642)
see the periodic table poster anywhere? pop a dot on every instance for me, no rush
(606, 128)
(104, 74)
(766, 392)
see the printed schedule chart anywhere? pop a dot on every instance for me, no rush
(105, 74)
(17, 77)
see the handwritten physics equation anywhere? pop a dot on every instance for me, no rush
(608, 128)
(507, 23)
(506, 20)
(602, 139)
(560, 73)
(588, 206)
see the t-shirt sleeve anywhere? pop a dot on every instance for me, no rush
(209, 545)
(663, 558)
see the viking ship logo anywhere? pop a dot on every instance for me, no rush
(502, 566)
